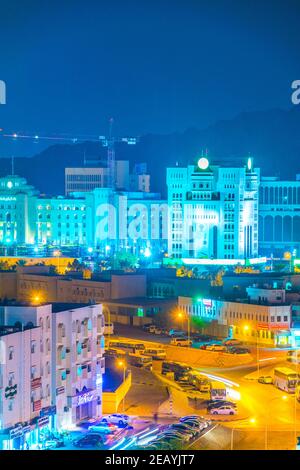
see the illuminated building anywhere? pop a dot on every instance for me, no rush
(100, 218)
(266, 321)
(26, 399)
(78, 363)
(279, 216)
(51, 369)
(213, 211)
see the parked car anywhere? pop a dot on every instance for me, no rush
(218, 403)
(189, 428)
(89, 440)
(184, 342)
(237, 350)
(171, 433)
(103, 428)
(158, 330)
(265, 379)
(108, 328)
(216, 347)
(147, 326)
(223, 410)
(183, 428)
(180, 371)
(196, 419)
(196, 425)
(173, 332)
(116, 418)
(232, 342)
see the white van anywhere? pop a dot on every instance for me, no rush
(109, 329)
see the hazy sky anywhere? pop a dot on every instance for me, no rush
(155, 66)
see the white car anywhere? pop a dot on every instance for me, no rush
(223, 410)
(180, 342)
(116, 418)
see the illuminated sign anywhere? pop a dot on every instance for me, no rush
(207, 302)
(43, 421)
(84, 398)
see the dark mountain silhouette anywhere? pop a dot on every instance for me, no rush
(271, 137)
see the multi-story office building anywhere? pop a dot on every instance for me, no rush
(279, 216)
(213, 211)
(103, 218)
(88, 178)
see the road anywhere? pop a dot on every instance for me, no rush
(269, 417)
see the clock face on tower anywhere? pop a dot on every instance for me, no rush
(203, 163)
(9, 184)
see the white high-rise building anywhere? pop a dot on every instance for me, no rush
(213, 211)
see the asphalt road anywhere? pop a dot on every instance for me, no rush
(271, 418)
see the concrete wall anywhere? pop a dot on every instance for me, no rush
(132, 285)
(112, 400)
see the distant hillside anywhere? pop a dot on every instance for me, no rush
(271, 137)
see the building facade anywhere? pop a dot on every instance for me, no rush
(213, 211)
(78, 362)
(279, 216)
(26, 410)
(102, 219)
(266, 324)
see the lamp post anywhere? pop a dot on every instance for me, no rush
(181, 316)
(122, 363)
(284, 398)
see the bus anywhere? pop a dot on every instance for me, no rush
(286, 379)
(127, 345)
(217, 390)
(199, 381)
(155, 353)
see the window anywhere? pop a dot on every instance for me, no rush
(33, 372)
(11, 379)
(278, 318)
(285, 318)
(11, 404)
(11, 352)
(33, 347)
(272, 319)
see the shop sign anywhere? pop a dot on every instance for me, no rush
(60, 390)
(48, 411)
(272, 326)
(16, 432)
(84, 398)
(43, 421)
(37, 405)
(36, 383)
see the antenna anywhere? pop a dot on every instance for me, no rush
(12, 165)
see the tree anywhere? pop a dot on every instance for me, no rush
(123, 261)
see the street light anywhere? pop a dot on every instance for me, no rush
(180, 315)
(122, 363)
(284, 398)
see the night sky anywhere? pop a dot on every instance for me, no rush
(155, 66)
